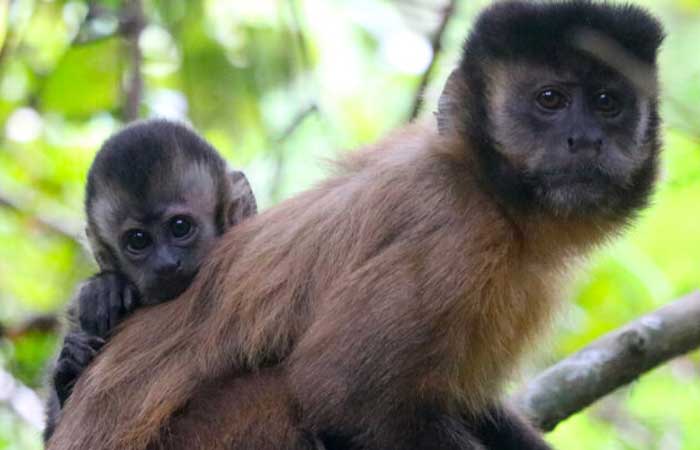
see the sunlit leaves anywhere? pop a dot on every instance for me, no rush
(85, 81)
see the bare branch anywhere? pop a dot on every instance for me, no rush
(44, 323)
(302, 44)
(611, 362)
(305, 70)
(436, 45)
(66, 230)
(131, 25)
(296, 122)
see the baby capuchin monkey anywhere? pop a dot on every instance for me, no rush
(157, 198)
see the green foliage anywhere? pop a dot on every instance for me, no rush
(97, 66)
(29, 356)
(243, 72)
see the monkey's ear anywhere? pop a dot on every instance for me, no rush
(451, 115)
(243, 204)
(102, 255)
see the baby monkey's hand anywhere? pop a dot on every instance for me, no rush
(79, 349)
(104, 301)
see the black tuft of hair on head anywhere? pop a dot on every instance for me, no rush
(132, 156)
(542, 31)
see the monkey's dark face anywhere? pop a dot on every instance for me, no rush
(162, 252)
(576, 139)
(159, 240)
(560, 100)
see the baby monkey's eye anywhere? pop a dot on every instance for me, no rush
(180, 226)
(607, 103)
(137, 240)
(551, 99)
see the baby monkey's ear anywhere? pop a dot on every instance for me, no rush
(243, 204)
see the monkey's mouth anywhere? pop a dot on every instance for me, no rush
(580, 190)
(168, 288)
(582, 177)
(565, 181)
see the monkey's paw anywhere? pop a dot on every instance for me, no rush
(104, 301)
(79, 349)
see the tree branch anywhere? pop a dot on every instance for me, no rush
(43, 323)
(436, 45)
(305, 70)
(297, 121)
(611, 362)
(68, 231)
(132, 23)
(301, 42)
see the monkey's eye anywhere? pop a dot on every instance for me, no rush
(551, 100)
(180, 226)
(607, 103)
(137, 240)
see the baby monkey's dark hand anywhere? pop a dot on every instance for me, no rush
(104, 301)
(79, 349)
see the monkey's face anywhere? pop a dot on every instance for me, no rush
(163, 253)
(157, 198)
(576, 139)
(158, 241)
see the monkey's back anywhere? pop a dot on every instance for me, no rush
(399, 278)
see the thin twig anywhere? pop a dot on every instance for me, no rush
(68, 231)
(436, 45)
(305, 70)
(297, 121)
(132, 24)
(302, 44)
(44, 324)
(612, 361)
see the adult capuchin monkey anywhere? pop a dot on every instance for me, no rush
(157, 198)
(387, 306)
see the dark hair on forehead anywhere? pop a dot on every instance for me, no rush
(542, 31)
(134, 156)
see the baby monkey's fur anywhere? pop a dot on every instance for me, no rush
(388, 305)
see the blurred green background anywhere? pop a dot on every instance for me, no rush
(277, 86)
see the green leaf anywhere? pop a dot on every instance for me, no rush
(85, 81)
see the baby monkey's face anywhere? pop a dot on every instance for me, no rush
(162, 251)
(160, 238)
(577, 138)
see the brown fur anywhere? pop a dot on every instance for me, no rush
(398, 284)
(236, 413)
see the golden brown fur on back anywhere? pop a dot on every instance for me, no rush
(380, 272)
(236, 413)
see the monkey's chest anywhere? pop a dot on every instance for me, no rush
(496, 326)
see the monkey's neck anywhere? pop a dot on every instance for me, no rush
(502, 316)
(515, 275)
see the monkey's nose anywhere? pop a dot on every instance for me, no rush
(589, 144)
(165, 268)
